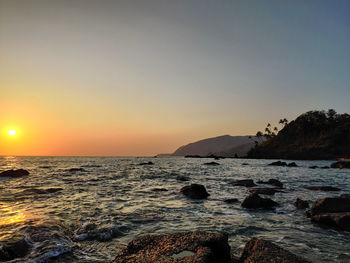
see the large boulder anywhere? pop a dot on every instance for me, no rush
(186, 247)
(338, 220)
(341, 164)
(330, 205)
(255, 201)
(195, 191)
(262, 251)
(14, 173)
(245, 182)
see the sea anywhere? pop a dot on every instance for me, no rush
(86, 209)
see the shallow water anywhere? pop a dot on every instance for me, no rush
(88, 215)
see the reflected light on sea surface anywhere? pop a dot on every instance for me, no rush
(11, 216)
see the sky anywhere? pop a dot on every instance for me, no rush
(123, 78)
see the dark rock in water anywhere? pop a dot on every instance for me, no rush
(212, 163)
(195, 191)
(325, 167)
(147, 163)
(246, 183)
(293, 164)
(245, 163)
(262, 251)
(73, 170)
(186, 247)
(231, 200)
(15, 247)
(182, 178)
(41, 191)
(159, 190)
(91, 231)
(345, 196)
(255, 201)
(338, 220)
(341, 164)
(274, 182)
(330, 205)
(278, 163)
(322, 188)
(313, 167)
(301, 204)
(264, 191)
(14, 173)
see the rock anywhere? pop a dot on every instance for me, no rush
(330, 205)
(91, 231)
(255, 201)
(246, 183)
(14, 173)
(147, 163)
(195, 191)
(345, 196)
(182, 178)
(231, 200)
(313, 167)
(325, 167)
(274, 182)
(301, 204)
(245, 163)
(322, 188)
(212, 163)
(293, 164)
(14, 247)
(159, 190)
(338, 220)
(341, 164)
(278, 163)
(186, 247)
(262, 251)
(264, 191)
(73, 170)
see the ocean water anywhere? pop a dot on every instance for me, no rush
(88, 214)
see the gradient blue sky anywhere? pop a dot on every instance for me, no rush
(143, 77)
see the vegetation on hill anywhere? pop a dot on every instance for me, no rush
(313, 135)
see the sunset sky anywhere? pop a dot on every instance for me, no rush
(144, 77)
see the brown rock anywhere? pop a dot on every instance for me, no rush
(262, 251)
(14, 173)
(330, 205)
(339, 220)
(301, 204)
(186, 247)
(195, 191)
(341, 164)
(255, 201)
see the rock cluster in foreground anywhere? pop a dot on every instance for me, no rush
(201, 247)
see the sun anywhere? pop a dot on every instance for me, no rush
(12, 132)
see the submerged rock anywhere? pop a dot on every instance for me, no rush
(341, 164)
(182, 178)
(301, 204)
(293, 164)
(14, 173)
(278, 163)
(322, 188)
(262, 251)
(212, 163)
(159, 190)
(231, 200)
(147, 163)
(74, 170)
(195, 191)
(91, 231)
(338, 220)
(273, 182)
(255, 201)
(313, 167)
(14, 247)
(186, 247)
(264, 191)
(245, 182)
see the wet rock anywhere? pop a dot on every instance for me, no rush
(313, 167)
(182, 178)
(74, 170)
(195, 191)
(273, 182)
(14, 173)
(91, 231)
(322, 188)
(262, 251)
(231, 200)
(147, 163)
(264, 191)
(301, 204)
(341, 164)
(325, 167)
(246, 183)
(293, 164)
(338, 220)
(255, 201)
(330, 205)
(14, 247)
(159, 190)
(186, 247)
(212, 163)
(278, 163)
(245, 163)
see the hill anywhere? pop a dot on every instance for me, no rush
(313, 135)
(225, 145)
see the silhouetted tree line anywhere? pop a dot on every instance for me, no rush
(313, 135)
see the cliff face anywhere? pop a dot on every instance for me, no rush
(313, 135)
(222, 145)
